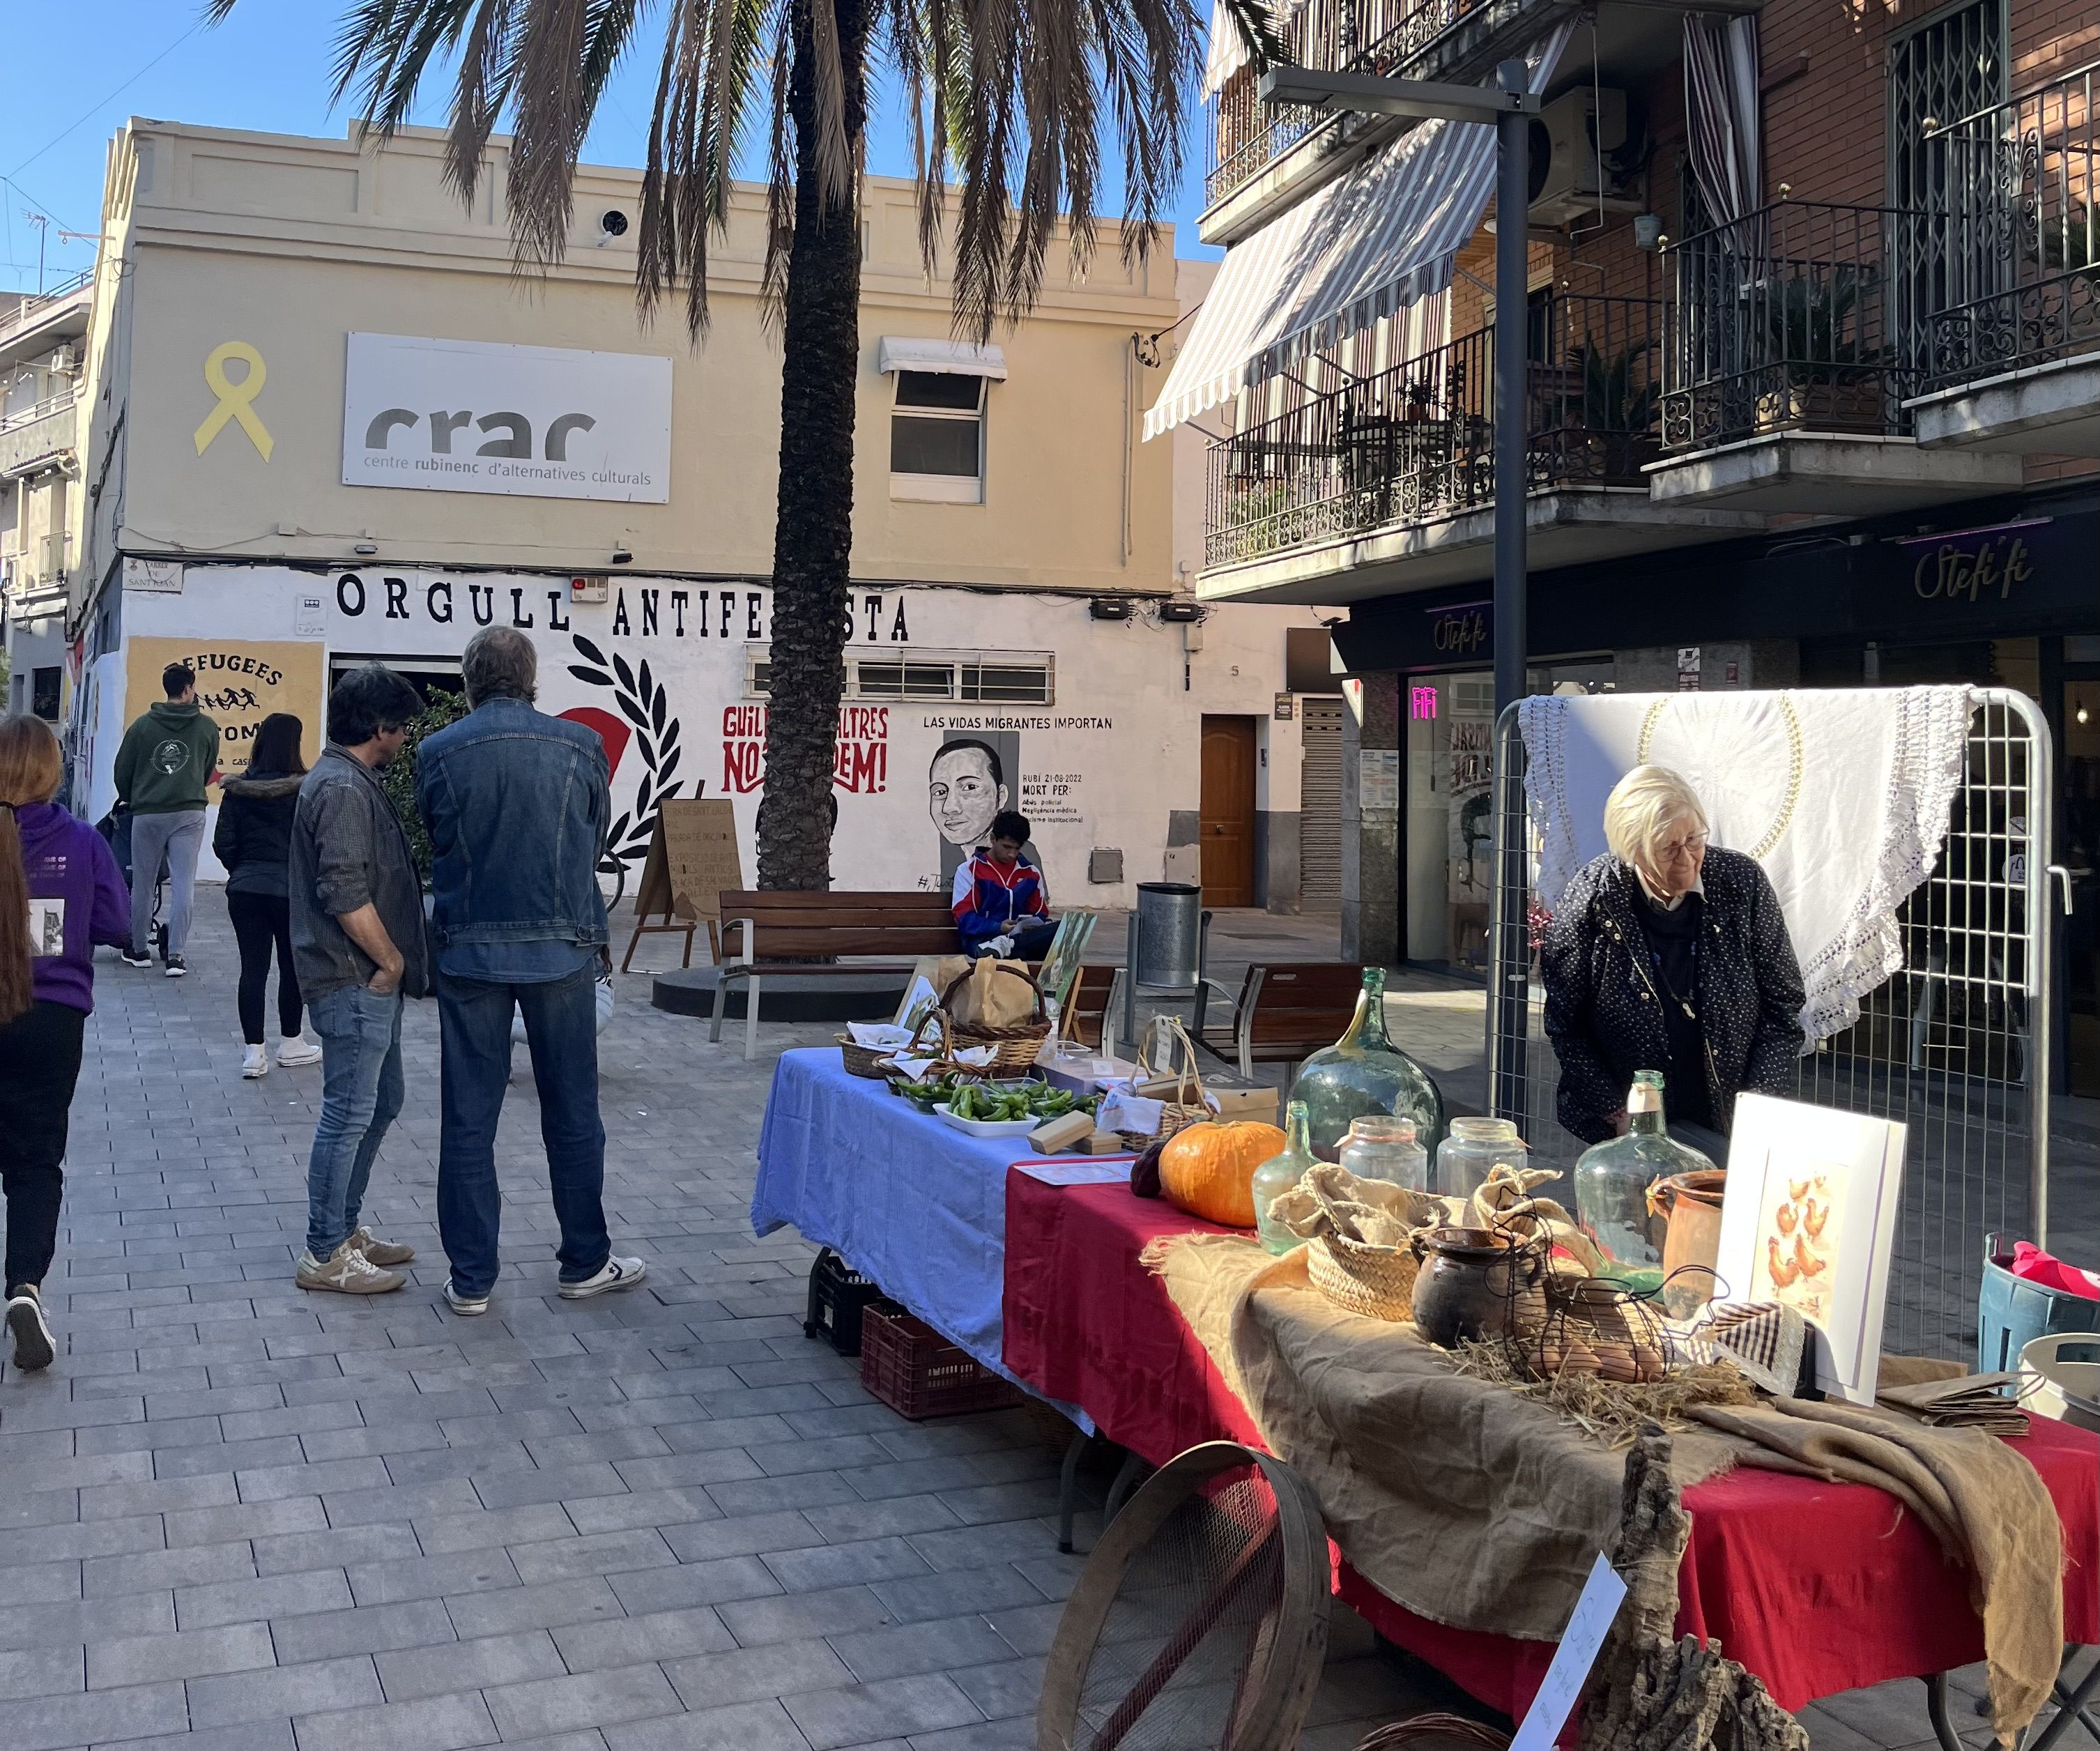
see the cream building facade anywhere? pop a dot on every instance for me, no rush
(324, 421)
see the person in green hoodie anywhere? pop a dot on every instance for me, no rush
(168, 757)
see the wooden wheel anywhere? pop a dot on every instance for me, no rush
(1200, 1622)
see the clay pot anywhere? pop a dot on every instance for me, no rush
(1691, 1202)
(1473, 1284)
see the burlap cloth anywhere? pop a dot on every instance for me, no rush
(1476, 1508)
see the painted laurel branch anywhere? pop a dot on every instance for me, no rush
(646, 703)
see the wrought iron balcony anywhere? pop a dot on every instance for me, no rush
(1799, 316)
(2010, 275)
(1416, 442)
(1458, 41)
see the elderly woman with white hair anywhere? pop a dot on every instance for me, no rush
(1667, 955)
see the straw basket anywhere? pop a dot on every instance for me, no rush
(941, 1052)
(1175, 1061)
(1014, 1047)
(872, 1061)
(1376, 1281)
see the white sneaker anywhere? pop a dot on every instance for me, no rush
(467, 1307)
(254, 1062)
(615, 1273)
(297, 1050)
(347, 1271)
(33, 1345)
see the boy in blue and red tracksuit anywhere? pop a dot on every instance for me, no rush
(999, 904)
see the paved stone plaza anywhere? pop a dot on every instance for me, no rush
(241, 1518)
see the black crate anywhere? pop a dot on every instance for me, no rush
(837, 1294)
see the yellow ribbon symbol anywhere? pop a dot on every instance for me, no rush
(235, 400)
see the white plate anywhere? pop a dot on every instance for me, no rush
(988, 1127)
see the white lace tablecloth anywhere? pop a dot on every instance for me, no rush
(1842, 795)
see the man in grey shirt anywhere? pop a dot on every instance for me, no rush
(359, 946)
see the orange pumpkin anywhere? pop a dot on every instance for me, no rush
(1208, 1169)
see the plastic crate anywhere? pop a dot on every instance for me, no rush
(838, 1296)
(918, 1373)
(2011, 1312)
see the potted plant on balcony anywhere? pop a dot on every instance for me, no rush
(1814, 362)
(1615, 419)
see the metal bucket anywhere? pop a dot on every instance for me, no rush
(2065, 1386)
(1170, 935)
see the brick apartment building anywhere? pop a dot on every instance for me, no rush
(1814, 326)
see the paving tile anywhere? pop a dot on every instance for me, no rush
(250, 1519)
(339, 1547)
(977, 1589)
(319, 1687)
(601, 1554)
(433, 1723)
(53, 1672)
(149, 1658)
(102, 1717)
(743, 1727)
(245, 1736)
(938, 1644)
(663, 1636)
(492, 1659)
(540, 1608)
(743, 1535)
(791, 1616)
(424, 1577)
(839, 1565)
(154, 1570)
(895, 1708)
(258, 1600)
(589, 1699)
(1001, 1689)
(486, 1526)
(56, 1625)
(363, 1630)
(706, 1583)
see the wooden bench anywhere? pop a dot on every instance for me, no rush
(801, 934)
(1285, 1012)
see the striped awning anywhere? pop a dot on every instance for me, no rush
(1367, 245)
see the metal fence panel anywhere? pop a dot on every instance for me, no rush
(1956, 1044)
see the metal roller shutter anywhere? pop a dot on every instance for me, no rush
(1320, 805)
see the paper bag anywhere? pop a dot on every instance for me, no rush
(996, 994)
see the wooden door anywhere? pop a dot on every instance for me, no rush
(1228, 811)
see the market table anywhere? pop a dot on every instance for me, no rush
(908, 1200)
(1817, 1588)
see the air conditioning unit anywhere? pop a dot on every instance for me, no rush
(65, 362)
(1573, 143)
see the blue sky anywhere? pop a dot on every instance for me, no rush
(266, 68)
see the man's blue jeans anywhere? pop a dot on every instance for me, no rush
(561, 1031)
(361, 1092)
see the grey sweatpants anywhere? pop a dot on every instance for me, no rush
(178, 836)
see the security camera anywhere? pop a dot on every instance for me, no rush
(613, 224)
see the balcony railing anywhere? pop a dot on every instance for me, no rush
(1454, 40)
(1800, 316)
(1416, 441)
(2009, 276)
(31, 435)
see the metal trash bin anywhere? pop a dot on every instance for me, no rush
(1170, 935)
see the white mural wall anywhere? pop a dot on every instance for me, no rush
(662, 669)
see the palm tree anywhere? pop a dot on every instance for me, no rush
(1021, 96)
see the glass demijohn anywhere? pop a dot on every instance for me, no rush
(1385, 1148)
(1364, 1073)
(1612, 1180)
(1278, 1175)
(1475, 1148)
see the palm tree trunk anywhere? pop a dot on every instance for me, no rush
(813, 538)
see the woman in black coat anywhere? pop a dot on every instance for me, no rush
(254, 841)
(1665, 955)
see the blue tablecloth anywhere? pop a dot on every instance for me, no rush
(916, 1204)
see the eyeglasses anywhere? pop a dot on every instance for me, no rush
(1688, 847)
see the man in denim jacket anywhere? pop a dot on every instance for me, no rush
(518, 806)
(357, 945)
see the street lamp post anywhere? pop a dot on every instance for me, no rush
(1508, 106)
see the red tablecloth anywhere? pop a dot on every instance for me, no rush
(1817, 1588)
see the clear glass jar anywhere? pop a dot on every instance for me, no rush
(1385, 1148)
(1612, 1182)
(1280, 1174)
(1475, 1148)
(1364, 1073)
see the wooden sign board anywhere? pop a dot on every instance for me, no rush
(692, 861)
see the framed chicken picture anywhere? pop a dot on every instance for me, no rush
(1807, 1220)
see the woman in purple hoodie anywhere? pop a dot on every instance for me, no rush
(61, 893)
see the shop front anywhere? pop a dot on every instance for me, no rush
(2007, 600)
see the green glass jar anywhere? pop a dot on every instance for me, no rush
(1612, 1180)
(1364, 1073)
(1278, 1175)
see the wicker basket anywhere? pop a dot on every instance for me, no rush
(1436, 1732)
(1188, 1107)
(872, 1061)
(918, 1373)
(1376, 1281)
(1014, 1047)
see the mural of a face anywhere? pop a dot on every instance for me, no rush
(965, 789)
